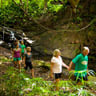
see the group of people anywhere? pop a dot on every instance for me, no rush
(81, 66)
(21, 53)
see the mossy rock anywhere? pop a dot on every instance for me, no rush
(39, 63)
(4, 59)
(91, 78)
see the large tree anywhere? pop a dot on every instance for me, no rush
(1, 3)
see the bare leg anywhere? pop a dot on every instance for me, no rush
(57, 84)
(32, 72)
(19, 64)
(23, 61)
(15, 63)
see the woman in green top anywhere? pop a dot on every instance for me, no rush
(22, 50)
(81, 64)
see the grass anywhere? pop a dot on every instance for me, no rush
(13, 83)
(20, 84)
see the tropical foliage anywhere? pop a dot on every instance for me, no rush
(20, 84)
(12, 11)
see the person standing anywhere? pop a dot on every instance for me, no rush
(16, 57)
(28, 61)
(81, 65)
(56, 67)
(22, 50)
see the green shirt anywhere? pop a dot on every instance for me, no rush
(81, 63)
(22, 48)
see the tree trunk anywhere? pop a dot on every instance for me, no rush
(21, 2)
(1, 3)
(27, 6)
(45, 4)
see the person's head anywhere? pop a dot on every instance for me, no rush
(22, 42)
(17, 45)
(28, 49)
(85, 51)
(16, 42)
(56, 53)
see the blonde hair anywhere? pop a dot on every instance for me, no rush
(28, 49)
(56, 51)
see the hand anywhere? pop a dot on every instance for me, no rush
(12, 59)
(87, 71)
(24, 65)
(69, 69)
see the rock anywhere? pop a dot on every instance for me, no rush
(0, 62)
(91, 78)
(1, 42)
(61, 40)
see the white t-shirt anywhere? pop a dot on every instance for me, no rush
(57, 67)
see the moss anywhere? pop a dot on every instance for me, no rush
(4, 59)
(91, 78)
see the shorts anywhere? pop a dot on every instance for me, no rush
(28, 64)
(85, 78)
(16, 59)
(57, 75)
(22, 54)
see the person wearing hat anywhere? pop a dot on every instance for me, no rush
(81, 65)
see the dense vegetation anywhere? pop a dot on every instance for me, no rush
(15, 12)
(18, 12)
(20, 84)
(34, 15)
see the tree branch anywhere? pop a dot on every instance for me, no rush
(48, 29)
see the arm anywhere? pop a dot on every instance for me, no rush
(87, 68)
(70, 65)
(51, 71)
(24, 49)
(24, 61)
(11, 50)
(74, 61)
(12, 54)
(64, 65)
(20, 52)
(32, 60)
